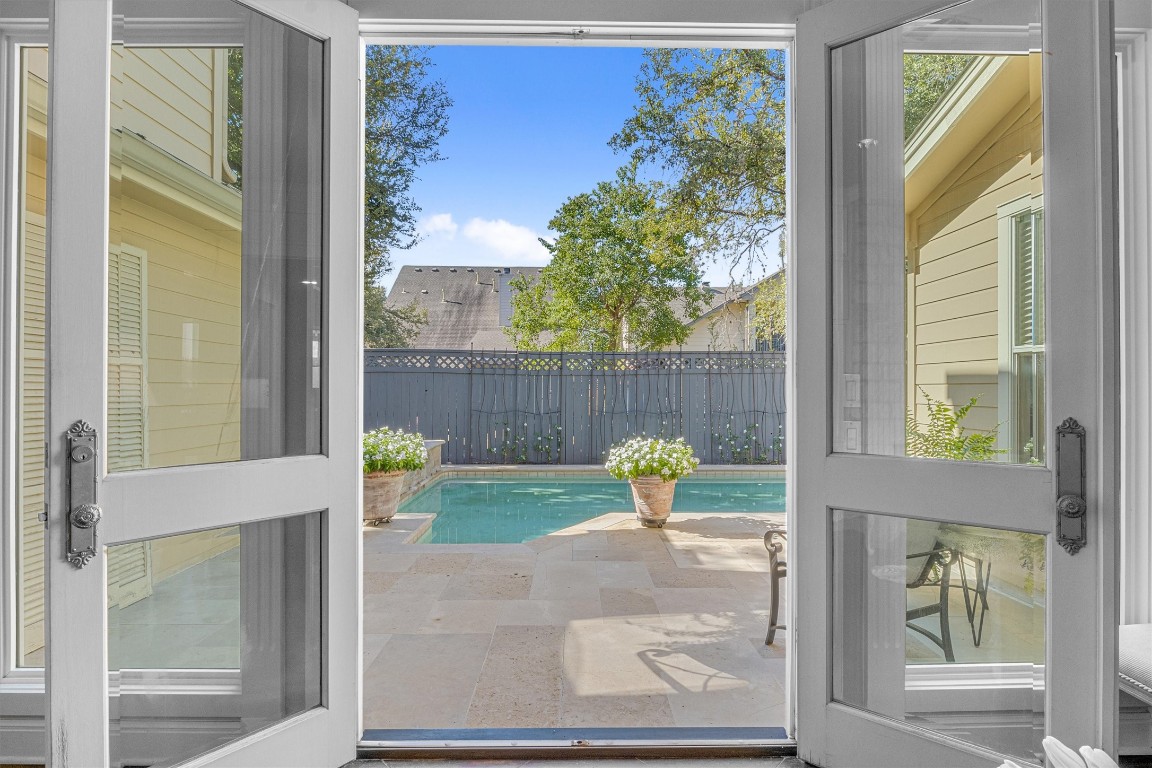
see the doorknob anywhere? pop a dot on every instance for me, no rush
(1071, 508)
(84, 512)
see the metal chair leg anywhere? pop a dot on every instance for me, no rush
(774, 611)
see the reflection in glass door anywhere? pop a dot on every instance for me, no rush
(926, 503)
(23, 39)
(31, 369)
(939, 344)
(214, 279)
(224, 562)
(952, 259)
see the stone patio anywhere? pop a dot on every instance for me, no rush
(602, 624)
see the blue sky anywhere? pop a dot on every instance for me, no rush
(528, 129)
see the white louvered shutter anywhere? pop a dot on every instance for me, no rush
(129, 566)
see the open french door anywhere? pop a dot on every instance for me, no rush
(201, 412)
(955, 410)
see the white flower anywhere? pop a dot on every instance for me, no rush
(641, 456)
(387, 450)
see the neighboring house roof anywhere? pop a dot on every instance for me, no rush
(968, 114)
(735, 295)
(463, 303)
(469, 307)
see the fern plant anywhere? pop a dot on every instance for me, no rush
(945, 437)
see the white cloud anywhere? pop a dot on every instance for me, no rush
(507, 241)
(438, 224)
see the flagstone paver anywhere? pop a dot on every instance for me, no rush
(602, 624)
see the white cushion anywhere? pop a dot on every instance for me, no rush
(1136, 660)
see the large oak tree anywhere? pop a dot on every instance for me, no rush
(623, 274)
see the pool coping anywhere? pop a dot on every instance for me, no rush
(712, 471)
(407, 528)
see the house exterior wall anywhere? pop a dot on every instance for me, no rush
(176, 99)
(174, 295)
(953, 289)
(724, 331)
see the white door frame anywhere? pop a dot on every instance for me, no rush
(1080, 701)
(204, 496)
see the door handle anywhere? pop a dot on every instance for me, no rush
(84, 512)
(1071, 508)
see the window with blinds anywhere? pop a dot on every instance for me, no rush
(1026, 364)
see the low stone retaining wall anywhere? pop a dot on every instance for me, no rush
(414, 482)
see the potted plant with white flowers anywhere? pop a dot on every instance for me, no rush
(651, 466)
(388, 455)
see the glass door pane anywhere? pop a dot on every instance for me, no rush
(941, 626)
(938, 238)
(965, 188)
(204, 352)
(225, 641)
(214, 243)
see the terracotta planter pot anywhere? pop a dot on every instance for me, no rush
(653, 499)
(382, 495)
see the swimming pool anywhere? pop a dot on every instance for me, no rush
(517, 509)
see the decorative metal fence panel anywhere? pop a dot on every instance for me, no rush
(571, 407)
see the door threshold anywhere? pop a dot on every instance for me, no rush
(569, 743)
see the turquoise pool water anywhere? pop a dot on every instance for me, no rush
(511, 510)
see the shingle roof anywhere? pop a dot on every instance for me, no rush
(464, 310)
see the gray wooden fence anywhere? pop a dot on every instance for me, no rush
(571, 407)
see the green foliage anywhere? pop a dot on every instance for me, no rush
(769, 309)
(406, 115)
(713, 122)
(517, 448)
(620, 264)
(745, 446)
(236, 113)
(944, 436)
(390, 327)
(927, 77)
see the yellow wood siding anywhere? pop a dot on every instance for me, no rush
(187, 223)
(724, 331)
(953, 292)
(168, 98)
(174, 335)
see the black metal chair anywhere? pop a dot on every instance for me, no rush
(774, 541)
(933, 568)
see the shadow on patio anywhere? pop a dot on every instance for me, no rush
(601, 624)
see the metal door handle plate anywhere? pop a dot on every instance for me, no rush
(1071, 507)
(85, 513)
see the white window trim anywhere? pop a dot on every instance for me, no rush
(27, 34)
(1005, 292)
(1134, 69)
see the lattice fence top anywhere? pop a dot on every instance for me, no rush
(575, 362)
